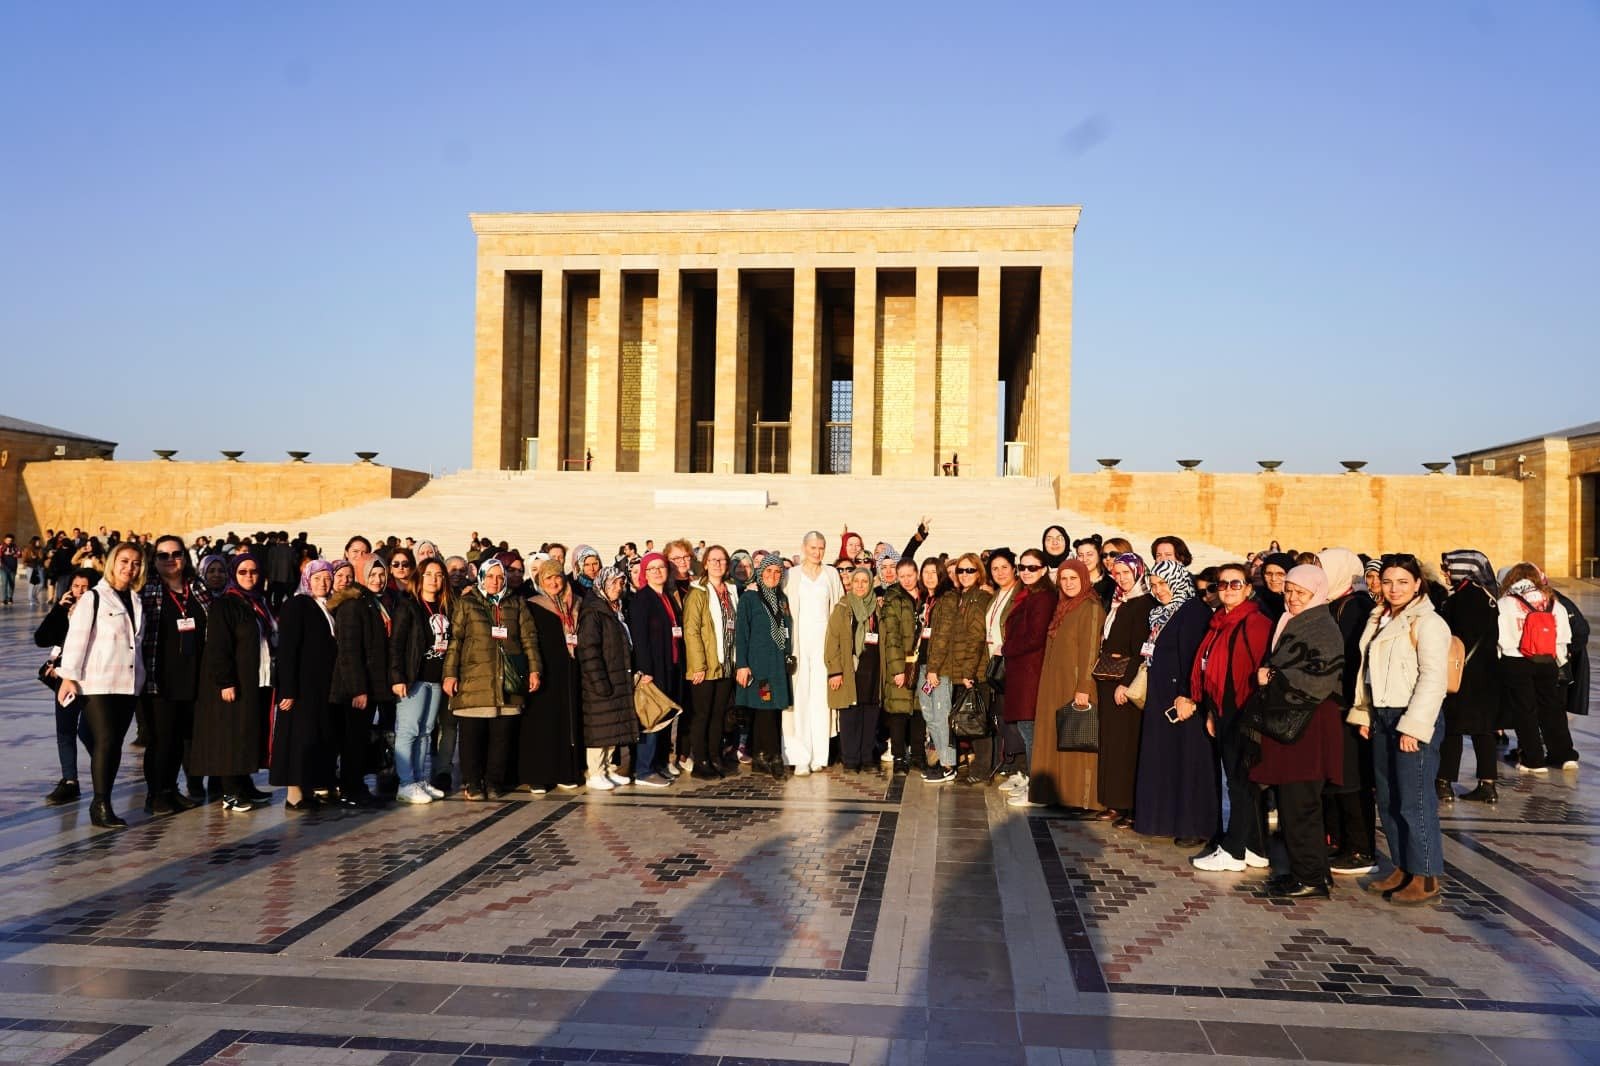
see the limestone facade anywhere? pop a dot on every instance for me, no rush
(860, 342)
(24, 444)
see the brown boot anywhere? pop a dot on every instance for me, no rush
(1396, 878)
(1417, 890)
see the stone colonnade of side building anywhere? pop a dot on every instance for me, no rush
(860, 342)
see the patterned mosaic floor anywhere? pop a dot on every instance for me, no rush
(834, 918)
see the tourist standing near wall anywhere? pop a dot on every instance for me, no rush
(231, 714)
(812, 590)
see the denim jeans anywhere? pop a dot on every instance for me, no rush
(8, 584)
(936, 712)
(1026, 729)
(71, 727)
(1406, 801)
(413, 725)
(644, 755)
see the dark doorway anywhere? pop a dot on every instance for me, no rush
(699, 310)
(837, 323)
(769, 296)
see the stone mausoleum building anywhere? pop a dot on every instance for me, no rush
(883, 342)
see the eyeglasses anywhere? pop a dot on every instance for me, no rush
(163, 557)
(966, 570)
(1235, 584)
(1030, 568)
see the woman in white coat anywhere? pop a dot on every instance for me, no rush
(812, 590)
(103, 665)
(1405, 653)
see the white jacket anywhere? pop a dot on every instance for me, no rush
(103, 652)
(1404, 664)
(1512, 616)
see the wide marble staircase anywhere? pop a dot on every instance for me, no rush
(742, 511)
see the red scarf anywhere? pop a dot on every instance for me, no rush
(1215, 665)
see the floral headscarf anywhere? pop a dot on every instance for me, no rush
(1140, 586)
(314, 567)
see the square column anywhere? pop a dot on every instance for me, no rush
(1053, 371)
(606, 347)
(552, 365)
(864, 371)
(983, 428)
(663, 459)
(807, 393)
(490, 404)
(732, 395)
(924, 459)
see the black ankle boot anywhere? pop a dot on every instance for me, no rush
(101, 814)
(1486, 792)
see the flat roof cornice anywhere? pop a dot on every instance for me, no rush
(889, 218)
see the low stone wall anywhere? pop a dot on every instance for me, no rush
(162, 497)
(1423, 514)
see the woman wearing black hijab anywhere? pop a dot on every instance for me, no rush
(1056, 543)
(1275, 567)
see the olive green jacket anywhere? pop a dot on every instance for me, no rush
(897, 644)
(958, 648)
(474, 658)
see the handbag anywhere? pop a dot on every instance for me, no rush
(996, 677)
(47, 674)
(1139, 687)
(969, 714)
(1109, 666)
(652, 707)
(513, 675)
(1077, 728)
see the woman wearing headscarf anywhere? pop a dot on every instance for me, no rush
(851, 657)
(1223, 680)
(1123, 635)
(709, 615)
(1072, 643)
(344, 574)
(231, 713)
(656, 625)
(1275, 567)
(303, 729)
(605, 671)
(1295, 720)
(1349, 811)
(1178, 792)
(362, 624)
(1405, 653)
(550, 746)
(898, 644)
(586, 566)
(1056, 545)
(763, 644)
(491, 665)
(213, 571)
(1025, 633)
(1474, 709)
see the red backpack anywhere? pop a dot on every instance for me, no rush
(1538, 642)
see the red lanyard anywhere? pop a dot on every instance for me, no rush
(182, 605)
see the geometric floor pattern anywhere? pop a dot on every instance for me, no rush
(833, 918)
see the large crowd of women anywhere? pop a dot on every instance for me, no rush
(1329, 691)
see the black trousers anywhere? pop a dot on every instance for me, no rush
(354, 730)
(858, 735)
(1300, 822)
(899, 726)
(1350, 819)
(1538, 714)
(1246, 828)
(485, 747)
(444, 749)
(708, 715)
(108, 718)
(168, 728)
(1483, 748)
(766, 733)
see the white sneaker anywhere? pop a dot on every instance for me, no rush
(616, 779)
(1570, 764)
(427, 787)
(1014, 782)
(887, 756)
(413, 794)
(1219, 861)
(1254, 861)
(566, 787)
(601, 783)
(817, 768)
(1020, 799)
(802, 771)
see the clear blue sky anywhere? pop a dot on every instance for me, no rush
(1310, 232)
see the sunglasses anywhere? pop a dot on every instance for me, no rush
(245, 573)
(966, 570)
(1235, 584)
(1030, 568)
(168, 556)
(399, 564)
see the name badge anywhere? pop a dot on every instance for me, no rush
(1148, 648)
(440, 644)
(677, 632)
(871, 638)
(572, 640)
(186, 625)
(498, 632)
(927, 632)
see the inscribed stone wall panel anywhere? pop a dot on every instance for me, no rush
(958, 339)
(896, 368)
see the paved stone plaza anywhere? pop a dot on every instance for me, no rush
(824, 919)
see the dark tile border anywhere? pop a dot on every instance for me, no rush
(472, 1051)
(1467, 838)
(22, 933)
(110, 1036)
(1087, 976)
(853, 964)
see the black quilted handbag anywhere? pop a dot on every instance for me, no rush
(1077, 728)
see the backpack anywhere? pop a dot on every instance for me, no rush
(1455, 663)
(1538, 642)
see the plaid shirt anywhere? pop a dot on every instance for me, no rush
(155, 600)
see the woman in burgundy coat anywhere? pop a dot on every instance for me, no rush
(1025, 633)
